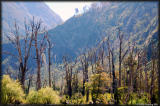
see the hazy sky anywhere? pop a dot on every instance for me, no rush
(66, 9)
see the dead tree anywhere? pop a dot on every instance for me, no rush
(94, 59)
(68, 68)
(109, 61)
(29, 83)
(75, 82)
(14, 38)
(86, 76)
(153, 57)
(158, 71)
(61, 88)
(131, 63)
(53, 81)
(145, 60)
(84, 62)
(114, 84)
(49, 59)
(109, 56)
(91, 58)
(39, 47)
(121, 57)
(101, 52)
(139, 64)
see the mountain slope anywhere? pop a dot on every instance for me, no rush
(18, 11)
(138, 20)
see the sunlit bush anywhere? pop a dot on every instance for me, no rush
(33, 97)
(76, 98)
(132, 98)
(48, 96)
(64, 99)
(103, 98)
(43, 96)
(12, 92)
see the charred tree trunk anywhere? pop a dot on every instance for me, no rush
(38, 71)
(152, 82)
(23, 72)
(29, 84)
(114, 85)
(49, 66)
(86, 70)
(120, 61)
(49, 59)
(70, 83)
(158, 65)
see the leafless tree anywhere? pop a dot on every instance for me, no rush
(121, 56)
(158, 71)
(114, 84)
(29, 83)
(69, 69)
(153, 70)
(109, 56)
(39, 47)
(49, 59)
(14, 38)
(84, 62)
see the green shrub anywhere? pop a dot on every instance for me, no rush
(48, 96)
(64, 99)
(12, 91)
(103, 99)
(132, 98)
(33, 97)
(77, 98)
(156, 95)
(43, 96)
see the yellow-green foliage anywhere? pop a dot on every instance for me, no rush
(64, 99)
(156, 95)
(104, 99)
(12, 91)
(32, 97)
(48, 96)
(43, 96)
(132, 98)
(101, 79)
(77, 98)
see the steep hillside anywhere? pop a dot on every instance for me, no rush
(18, 11)
(138, 21)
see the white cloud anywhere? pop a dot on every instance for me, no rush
(66, 9)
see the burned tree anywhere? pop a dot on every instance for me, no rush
(29, 83)
(121, 57)
(14, 38)
(39, 47)
(139, 64)
(109, 56)
(101, 52)
(49, 59)
(69, 69)
(153, 70)
(114, 84)
(84, 62)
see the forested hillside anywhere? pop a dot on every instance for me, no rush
(138, 21)
(19, 11)
(106, 55)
